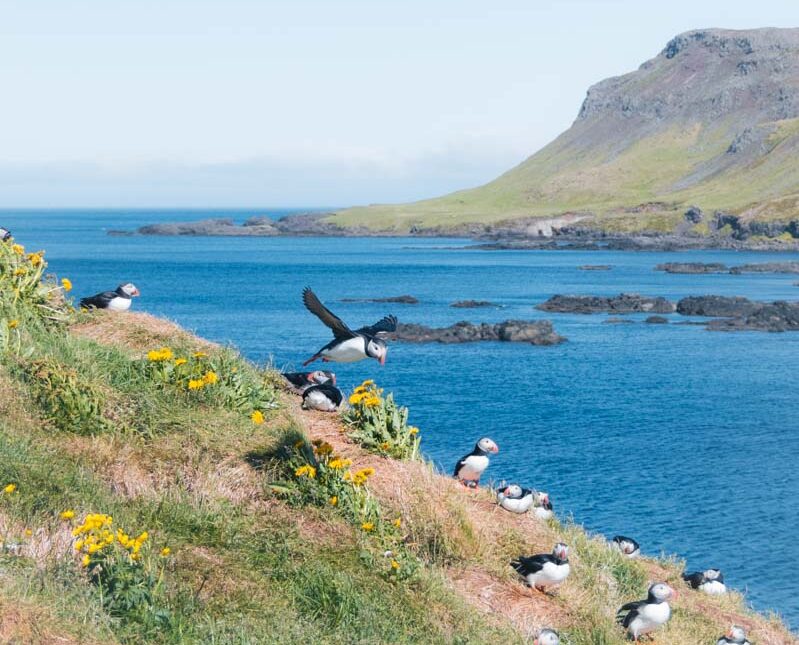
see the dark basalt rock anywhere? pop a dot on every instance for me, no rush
(767, 267)
(623, 303)
(403, 300)
(595, 267)
(617, 321)
(535, 332)
(692, 267)
(716, 306)
(222, 227)
(657, 320)
(777, 316)
(472, 304)
(693, 215)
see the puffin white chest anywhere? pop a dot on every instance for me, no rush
(713, 588)
(317, 400)
(119, 304)
(551, 574)
(473, 467)
(652, 616)
(348, 351)
(516, 505)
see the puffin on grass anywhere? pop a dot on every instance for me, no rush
(644, 616)
(5, 234)
(471, 466)
(118, 300)
(545, 570)
(547, 637)
(301, 381)
(628, 547)
(515, 499)
(543, 507)
(736, 636)
(710, 581)
(349, 346)
(325, 397)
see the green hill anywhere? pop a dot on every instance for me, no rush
(711, 121)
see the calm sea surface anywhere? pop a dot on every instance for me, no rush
(685, 439)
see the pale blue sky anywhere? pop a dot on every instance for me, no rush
(307, 102)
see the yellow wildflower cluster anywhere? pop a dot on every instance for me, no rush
(18, 249)
(160, 355)
(96, 534)
(67, 515)
(180, 361)
(66, 284)
(366, 394)
(305, 471)
(209, 378)
(36, 258)
(13, 324)
(368, 526)
(339, 464)
(359, 477)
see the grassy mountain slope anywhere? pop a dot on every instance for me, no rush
(97, 416)
(712, 121)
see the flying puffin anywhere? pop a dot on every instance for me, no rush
(628, 547)
(119, 300)
(544, 570)
(543, 507)
(643, 616)
(736, 636)
(301, 381)
(471, 466)
(325, 397)
(5, 234)
(515, 499)
(710, 581)
(547, 637)
(349, 346)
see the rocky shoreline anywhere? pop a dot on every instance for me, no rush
(717, 267)
(534, 332)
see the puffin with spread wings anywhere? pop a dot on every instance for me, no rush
(349, 346)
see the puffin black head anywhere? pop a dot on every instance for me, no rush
(736, 634)
(660, 592)
(547, 637)
(127, 290)
(485, 446)
(5, 234)
(321, 376)
(625, 544)
(542, 499)
(377, 348)
(561, 551)
(513, 491)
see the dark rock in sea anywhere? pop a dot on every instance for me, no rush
(536, 332)
(692, 267)
(617, 321)
(403, 300)
(773, 317)
(716, 306)
(657, 320)
(472, 304)
(767, 267)
(693, 215)
(595, 267)
(211, 227)
(623, 303)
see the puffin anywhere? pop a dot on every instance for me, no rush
(515, 499)
(544, 570)
(736, 636)
(543, 507)
(118, 300)
(325, 397)
(628, 547)
(471, 466)
(644, 616)
(711, 581)
(301, 381)
(349, 346)
(547, 637)
(5, 234)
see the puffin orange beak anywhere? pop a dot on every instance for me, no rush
(382, 359)
(136, 292)
(535, 642)
(675, 594)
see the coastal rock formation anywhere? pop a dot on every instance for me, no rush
(657, 320)
(716, 306)
(535, 332)
(693, 267)
(623, 303)
(595, 267)
(222, 227)
(403, 300)
(767, 267)
(472, 304)
(773, 317)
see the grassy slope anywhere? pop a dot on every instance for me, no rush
(247, 567)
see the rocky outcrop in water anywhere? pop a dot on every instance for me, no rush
(595, 267)
(535, 332)
(472, 304)
(403, 300)
(657, 320)
(623, 303)
(693, 267)
(767, 267)
(716, 306)
(777, 316)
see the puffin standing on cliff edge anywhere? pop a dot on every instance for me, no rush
(349, 346)
(325, 397)
(628, 547)
(118, 300)
(546, 569)
(471, 466)
(736, 636)
(710, 582)
(644, 616)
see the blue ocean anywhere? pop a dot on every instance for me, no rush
(687, 440)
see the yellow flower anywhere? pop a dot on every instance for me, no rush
(165, 552)
(66, 283)
(398, 522)
(210, 378)
(257, 417)
(200, 355)
(94, 548)
(180, 361)
(338, 463)
(325, 449)
(357, 397)
(158, 355)
(413, 430)
(310, 471)
(367, 526)
(18, 249)
(385, 445)
(86, 561)
(28, 532)
(35, 258)
(20, 271)
(334, 501)
(13, 324)
(367, 383)
(135, 556)
(143, 537)
(196, 384)
(395, 565)
(67, 515)
(10, 488)
(371, 401)
(78, 545)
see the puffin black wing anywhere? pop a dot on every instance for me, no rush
(315, 306)
(631, 608)
(297, 379)
(99, 301)
(533, 564)
(694, 579)
(461, 463)
(330, 391)
(386, 325)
